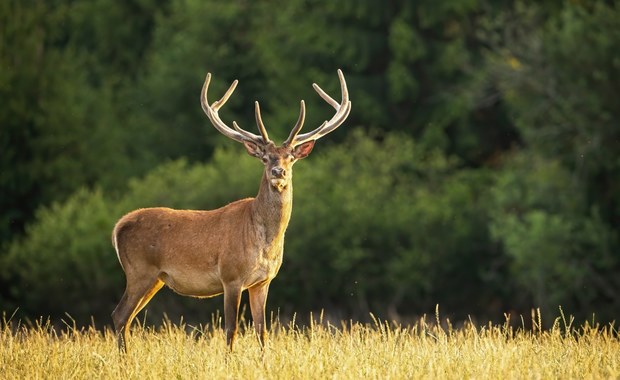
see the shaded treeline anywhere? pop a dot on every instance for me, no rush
(478, 170)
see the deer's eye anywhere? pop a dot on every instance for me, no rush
(265, 159)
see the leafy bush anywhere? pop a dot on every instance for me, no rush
(382, 226)
(66, 263)
(561, 252)
(375, 224)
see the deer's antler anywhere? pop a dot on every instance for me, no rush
(237, 133)
(342, 111)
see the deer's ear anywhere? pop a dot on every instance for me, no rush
(253, 149)
(303, 150)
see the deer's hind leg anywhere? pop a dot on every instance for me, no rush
(137, 295)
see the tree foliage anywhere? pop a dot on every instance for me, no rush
(557, 212)
(488, 184)
(394, 199)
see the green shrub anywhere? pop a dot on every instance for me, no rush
(387, 227)
(377, 222)
(560, 251)
(66, 263)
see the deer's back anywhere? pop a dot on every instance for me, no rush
(163, 236)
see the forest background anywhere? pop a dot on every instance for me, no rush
(479, 169)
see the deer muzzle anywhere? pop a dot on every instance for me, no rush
(278, 178)
(278, 172)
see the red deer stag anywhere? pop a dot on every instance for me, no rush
(227, 250)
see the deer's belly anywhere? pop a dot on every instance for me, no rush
(193, 284)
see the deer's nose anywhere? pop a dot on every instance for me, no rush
(278, 172)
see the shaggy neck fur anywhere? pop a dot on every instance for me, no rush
(272, 208)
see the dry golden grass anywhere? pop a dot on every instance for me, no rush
(320, 351)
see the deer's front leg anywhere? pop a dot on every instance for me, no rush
(232, 297)
(258, 300)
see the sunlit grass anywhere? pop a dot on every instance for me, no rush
(379, 350)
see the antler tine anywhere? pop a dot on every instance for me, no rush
(298, 125)
(325, 97)
(211, 111)
(249, 135)
(342, 112)
(219, 103)
(259, 122)
(334, 123)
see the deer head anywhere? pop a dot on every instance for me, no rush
(278, 160)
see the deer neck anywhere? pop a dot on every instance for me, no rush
(272, 211)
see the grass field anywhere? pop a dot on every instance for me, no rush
(320, 351)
